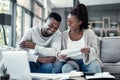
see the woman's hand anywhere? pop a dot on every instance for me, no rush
(85, 50)
(61, 56)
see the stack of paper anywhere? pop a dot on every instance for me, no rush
(74, 73)
(100, 75)
(53, 76)
(46, 76)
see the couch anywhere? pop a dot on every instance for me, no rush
(109, 48)
(110, 54)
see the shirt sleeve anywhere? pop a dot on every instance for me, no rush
(52, 50)
(92, 44)
(27, 36)
(32, 57)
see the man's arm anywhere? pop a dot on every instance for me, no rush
(21, 46)
(46, 59)
(35, 58)
(27, 36)
(27, 44)
(50, 51)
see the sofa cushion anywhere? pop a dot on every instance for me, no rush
(112, 68)
(110, 49)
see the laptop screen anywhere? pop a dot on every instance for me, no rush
(17, 64)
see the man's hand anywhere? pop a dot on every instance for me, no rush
(46, 59)
(27, 44)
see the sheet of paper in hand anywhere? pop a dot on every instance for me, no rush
(71, 52)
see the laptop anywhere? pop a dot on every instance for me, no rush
(17, 65)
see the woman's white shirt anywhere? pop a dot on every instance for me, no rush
(76, 46)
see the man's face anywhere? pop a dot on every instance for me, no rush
(51, 26)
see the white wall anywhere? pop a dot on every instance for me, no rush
(98, 2)
(62, 3)
(69, 3)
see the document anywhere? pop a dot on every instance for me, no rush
(45, 76)
(100, 75)
(74, 73)
(71, 53)
(59, 76)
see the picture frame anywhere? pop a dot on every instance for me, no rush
(106, 22)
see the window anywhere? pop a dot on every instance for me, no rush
(1, 36)
(38, 18)
(5, 34)
(25, 3)
(36, 22)
(19, 24)
(38, 10)
(27, 23)
(4, 6)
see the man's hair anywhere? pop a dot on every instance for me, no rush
(54, 15)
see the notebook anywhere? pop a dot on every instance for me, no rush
(17, 64)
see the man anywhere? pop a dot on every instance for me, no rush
(46, 43)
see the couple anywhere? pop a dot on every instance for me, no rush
(47, 42)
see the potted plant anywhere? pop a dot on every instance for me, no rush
(5, 75)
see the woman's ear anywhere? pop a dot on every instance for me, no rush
(80, 22)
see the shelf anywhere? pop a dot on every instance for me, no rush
(96, 24)
(105, 28)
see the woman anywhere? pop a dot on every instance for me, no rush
(79, 43)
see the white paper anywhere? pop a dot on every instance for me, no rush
(74, 73)
(100, 75)
(45, 76)
(59, 76)
(71, 53)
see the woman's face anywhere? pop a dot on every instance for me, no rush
(73, 22)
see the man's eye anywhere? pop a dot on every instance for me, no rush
(50, 25)
(55, 28)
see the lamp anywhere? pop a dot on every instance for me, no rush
(5, 19)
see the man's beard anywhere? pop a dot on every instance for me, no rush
(46, 32)
(49, 32)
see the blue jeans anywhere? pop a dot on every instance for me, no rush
(93, 67)
(46, 68)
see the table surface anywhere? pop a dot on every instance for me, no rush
(77, 78)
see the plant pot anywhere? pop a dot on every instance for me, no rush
(5, 77)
